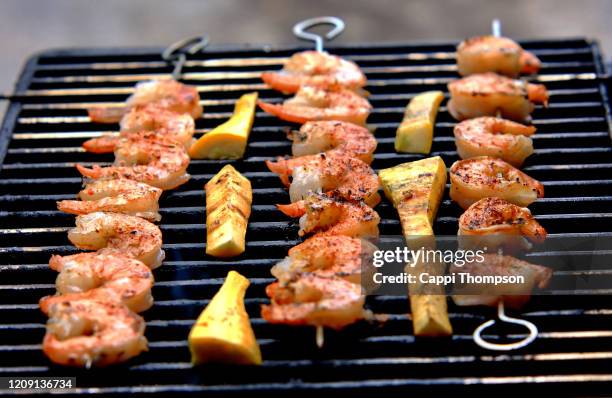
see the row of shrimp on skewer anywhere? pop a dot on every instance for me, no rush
(328, 100)
(492, 143)
(93, 317)
(332, 190)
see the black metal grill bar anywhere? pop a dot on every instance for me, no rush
(572, 159)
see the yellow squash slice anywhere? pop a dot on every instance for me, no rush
(415, 133)
(222, 332)
(228, 207)
(416, 189)
(229, 140)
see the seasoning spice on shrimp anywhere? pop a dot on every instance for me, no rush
(146, 157)
(315, 67)
(106, 275)
(495, 137)
(480, 177)
(150, 117)
(165, 93)
(489, 94)
(115, 233)
(495, 54)
(341, 175)
(117, 196)
(322, 214)
(332, 137)
(312, 103)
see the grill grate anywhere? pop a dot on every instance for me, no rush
(40, 142)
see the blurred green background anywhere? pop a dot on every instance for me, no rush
(27, 26)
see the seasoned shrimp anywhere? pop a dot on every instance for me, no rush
(315, 67)
(92, 332)
(503, 220)
(347, 177)
(146, 157)
(321, 103)
(495, 54)
(486, 94)
(327, 255)
(333, 216)
(117, 275)
(165, 93)
(114, 233)
(333, 137)
(118, 196)
(481, 177)
(314, 300)
(495, 137)
(514, 295)
(151, 117)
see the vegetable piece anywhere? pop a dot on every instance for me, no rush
(415, 133)
(222, 332)
(229, 140)
(428, 302)
(228, 207)
(416, 189)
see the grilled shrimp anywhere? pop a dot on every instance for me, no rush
(85, 332)
(315, 67)
(497, 223)
(332, 216)
(116, 275)
(346, 177)
(114, 233)
(165, 93)
(118, 196)
(326, 255)
(495, 54)
(495, 137)
(151, 117)
(514, 295)
(333, 137)
(481, 177)
(146, 157)
(314, 300)
(486, 94)
(321, 103)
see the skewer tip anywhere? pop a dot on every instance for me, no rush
(320, 336)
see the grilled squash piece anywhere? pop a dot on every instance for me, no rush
(222, 332)
(228, 207)
(229, 140)
(415, 133)
(416, 189)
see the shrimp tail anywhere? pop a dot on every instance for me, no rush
(537, 93)
(56, 263)
(283, 83)
(106, 115)
(535, 232)
(102, 144)
(293, 210)
(281, 112)
(281, 168)
(44, 303)
(70, 206)
(93, 172)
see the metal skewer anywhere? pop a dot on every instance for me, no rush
(501, 313)
(176, 53)
(300, 30)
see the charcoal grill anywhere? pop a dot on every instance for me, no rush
(40, 141)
